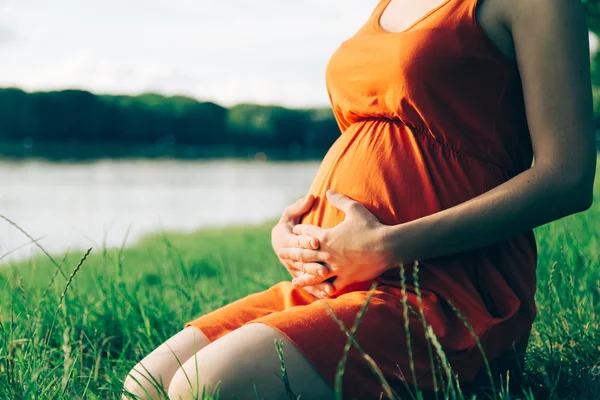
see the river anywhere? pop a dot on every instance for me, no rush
(79, 205)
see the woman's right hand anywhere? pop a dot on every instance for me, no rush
(283, 236)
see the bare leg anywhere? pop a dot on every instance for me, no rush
(246, 358)
(158, 367)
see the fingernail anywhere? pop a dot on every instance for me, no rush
(321, 273)
(329, 291)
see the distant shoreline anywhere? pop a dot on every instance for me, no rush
(77, 152)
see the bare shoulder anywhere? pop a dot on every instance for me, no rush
(510, 21)
(552, 51)
(491, 17)
(560, 15)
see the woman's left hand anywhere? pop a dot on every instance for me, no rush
(353, 251)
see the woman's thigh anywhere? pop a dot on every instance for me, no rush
(150, 378)
(245, 363)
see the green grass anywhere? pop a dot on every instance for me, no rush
(77, 338)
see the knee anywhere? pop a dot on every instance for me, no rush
(140, 386)
(198, 380)
(131, 386)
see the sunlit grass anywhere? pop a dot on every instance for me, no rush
(79, 336)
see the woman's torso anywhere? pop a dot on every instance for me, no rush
(430, 117)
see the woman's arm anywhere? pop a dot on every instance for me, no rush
(552, 51)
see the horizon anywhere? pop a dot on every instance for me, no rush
(134, 48)
(166, 96)
(157, 46)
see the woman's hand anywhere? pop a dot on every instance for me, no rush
(353, 251)
(282, 236)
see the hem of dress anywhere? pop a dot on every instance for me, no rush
(210, 333)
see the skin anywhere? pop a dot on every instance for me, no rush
(158, 368)
(557, 90)
(282, 236)
(188, 361)
(246, 358)
(556, 83)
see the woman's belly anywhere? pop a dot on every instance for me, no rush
(401, 175)
(398, 174)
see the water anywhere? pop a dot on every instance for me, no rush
(76, 206)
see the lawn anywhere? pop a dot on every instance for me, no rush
(72, 337)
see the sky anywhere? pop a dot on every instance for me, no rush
(226, 51)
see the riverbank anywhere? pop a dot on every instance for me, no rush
(80, 152)
(121, 303)
(74, 205)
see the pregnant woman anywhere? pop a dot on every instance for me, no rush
(441, 105)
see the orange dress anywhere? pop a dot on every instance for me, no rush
(430, 117)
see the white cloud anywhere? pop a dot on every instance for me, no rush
(265, 51)
(7, 10)
(7, 35)
(238, 50)
(90, 71)
(87, 69)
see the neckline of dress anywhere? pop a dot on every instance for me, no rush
(377, 18)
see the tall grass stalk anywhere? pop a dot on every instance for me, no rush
(407, 330)
(424, 323)
(125, 302)
(342, 364)
(389, 392)
(479, 346)
(284, 375)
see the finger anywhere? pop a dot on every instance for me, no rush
(326, 288)
(342, 203)
(310, 230)
(293, 270)
(316, 269)
(302, 241)
(303, 255)
(298, 208)
(315, 292)
(339, 283)
(306, 280)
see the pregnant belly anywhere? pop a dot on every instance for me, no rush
(398, 174)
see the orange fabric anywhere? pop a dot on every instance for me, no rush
(430, 117)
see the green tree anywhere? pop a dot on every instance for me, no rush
(81, 117)
(592, 9)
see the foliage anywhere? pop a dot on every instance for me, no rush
(592, 10)
(71, 117)
(122, 303)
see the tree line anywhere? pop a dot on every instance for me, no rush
(77, 124)
(70, 118)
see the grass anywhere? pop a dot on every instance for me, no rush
(76, 333)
